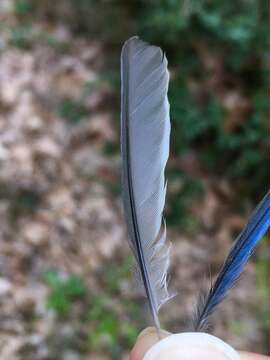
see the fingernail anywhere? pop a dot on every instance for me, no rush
(149, 331)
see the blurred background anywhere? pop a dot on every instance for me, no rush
(65, 282)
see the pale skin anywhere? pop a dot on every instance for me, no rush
(149, 337)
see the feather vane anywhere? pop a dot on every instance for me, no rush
(235, 262)
(145, 132)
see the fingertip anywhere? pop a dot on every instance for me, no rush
(249, 356)
(146, 339)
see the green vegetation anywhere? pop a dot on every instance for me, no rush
(23, 7)
(217, 50)
(263, 291)
(72, 110)
(184, 190)
(237, 328)
(98, 312)
(64, 291)
(22, 36)
(108, 330)
(21, 201)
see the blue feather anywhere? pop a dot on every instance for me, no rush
(235, 262)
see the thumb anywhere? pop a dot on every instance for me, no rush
(147, 338)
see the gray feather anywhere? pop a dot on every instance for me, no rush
(145, 133)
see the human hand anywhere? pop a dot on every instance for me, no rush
(149, 337)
